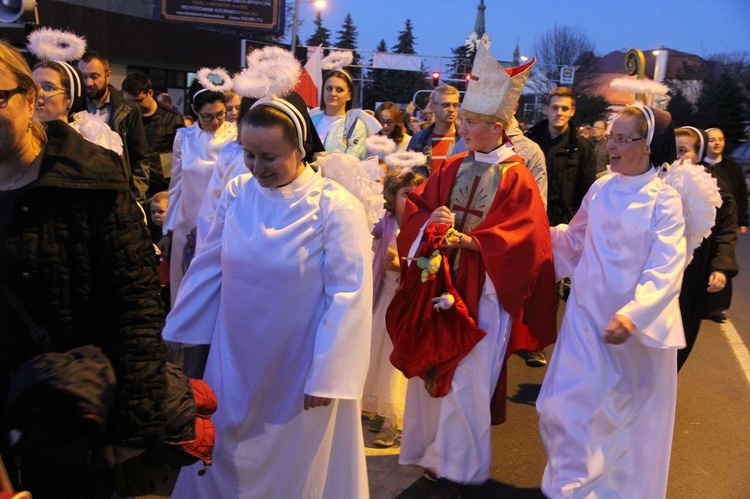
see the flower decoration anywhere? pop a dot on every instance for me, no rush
(430, 265)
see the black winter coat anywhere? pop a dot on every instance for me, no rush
(571, 169)
(75, 251)
(127, 121)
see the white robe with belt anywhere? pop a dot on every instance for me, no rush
(282, 290)
(607, 411)
(194, 156)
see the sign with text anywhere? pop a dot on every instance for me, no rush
(256, 15)
(567, 74)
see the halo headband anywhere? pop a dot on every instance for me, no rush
(293, 113)
(75, 80)
(702, 148)
(200, 92)
(648, 113)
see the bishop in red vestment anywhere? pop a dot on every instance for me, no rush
(502, 268)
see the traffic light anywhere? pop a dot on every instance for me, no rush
(435, 78)
(468, 78)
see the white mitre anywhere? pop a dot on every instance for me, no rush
(493, 91)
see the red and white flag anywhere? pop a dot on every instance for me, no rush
(311, 80)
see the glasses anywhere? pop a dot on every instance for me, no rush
(386, 122)
(5, 95)
(208, 118)
(619, 139)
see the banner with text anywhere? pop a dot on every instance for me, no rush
(256, 15)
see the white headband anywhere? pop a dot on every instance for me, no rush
(75, 80)
(200, 92)
(703, 143)
(293, 113)
(648, 113)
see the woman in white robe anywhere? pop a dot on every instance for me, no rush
(194, 154)
(607, 403)
(282, 290)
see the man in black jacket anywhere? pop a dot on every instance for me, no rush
(121, 115)
(571, 166)
(161, 124)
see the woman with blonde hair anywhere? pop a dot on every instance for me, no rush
(75, 253)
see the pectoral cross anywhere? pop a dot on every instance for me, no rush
(467, 209)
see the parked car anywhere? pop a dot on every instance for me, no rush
(741, 156)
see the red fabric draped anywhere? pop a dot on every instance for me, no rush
(429, 343)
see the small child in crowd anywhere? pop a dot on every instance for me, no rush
(385, 387)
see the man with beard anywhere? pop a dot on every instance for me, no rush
(121, 115)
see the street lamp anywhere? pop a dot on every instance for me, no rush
(318, 4)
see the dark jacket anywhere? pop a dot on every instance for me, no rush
(731, 173)
(75, 251)
(571, 169)
(161, 128)
(422, 142)
(127, 121)
(716, 253)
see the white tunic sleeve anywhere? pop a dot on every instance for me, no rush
(196, 309)
(342, 342)
(175, 183)
(567, 240)
(230, 154)
(654, 308)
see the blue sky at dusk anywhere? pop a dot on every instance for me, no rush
(701, 28)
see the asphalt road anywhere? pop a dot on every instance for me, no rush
(711, 446)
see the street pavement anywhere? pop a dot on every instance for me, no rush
(711, 445)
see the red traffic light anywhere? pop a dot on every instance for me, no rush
(435, 78)
(468, 77)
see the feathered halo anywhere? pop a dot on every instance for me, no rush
(700, 197)
(204, 78)
(336, 60)
(405, 160)
(363, 179)
(270, 72)
(639, 86)
(56, 45)
(380, 145)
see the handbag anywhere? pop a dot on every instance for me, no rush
(59, 402)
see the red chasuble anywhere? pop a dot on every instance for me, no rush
(515, 251)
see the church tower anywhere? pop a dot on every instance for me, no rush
(479, 24)
(479, 33)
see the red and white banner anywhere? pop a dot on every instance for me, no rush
(311, 80)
